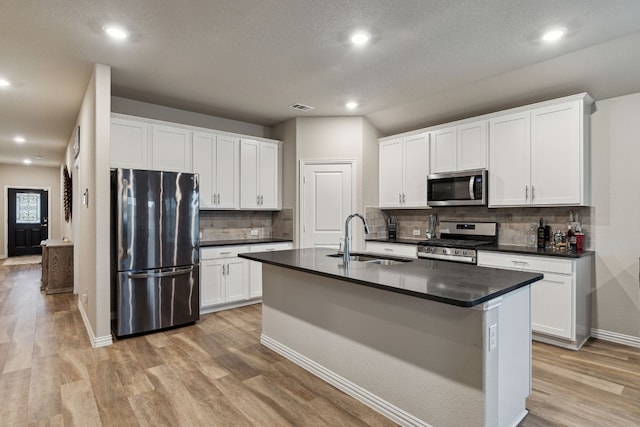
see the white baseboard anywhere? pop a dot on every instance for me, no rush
(376, 403)
(102, 341)
(629, 340)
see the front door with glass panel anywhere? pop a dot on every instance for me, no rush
(28, 223)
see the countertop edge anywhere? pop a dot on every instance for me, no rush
(240, 242)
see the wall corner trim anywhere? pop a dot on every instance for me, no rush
(102, 341)
(629, 340)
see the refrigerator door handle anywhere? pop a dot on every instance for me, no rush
(178, 272)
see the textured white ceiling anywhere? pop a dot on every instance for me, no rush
(429, 61)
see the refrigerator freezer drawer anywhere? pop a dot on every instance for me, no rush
(155, 299)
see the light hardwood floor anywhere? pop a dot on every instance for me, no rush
(216, 373)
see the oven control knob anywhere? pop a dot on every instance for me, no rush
(464, 253)
(457, 252)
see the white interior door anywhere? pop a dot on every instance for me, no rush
(326, 203)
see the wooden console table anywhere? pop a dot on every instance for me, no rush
(57, 266)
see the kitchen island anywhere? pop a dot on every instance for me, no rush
(423, 342)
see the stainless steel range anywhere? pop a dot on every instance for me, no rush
(458, 241)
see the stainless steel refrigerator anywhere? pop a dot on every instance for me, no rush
(155, 245)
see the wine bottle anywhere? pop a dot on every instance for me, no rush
(541, 235)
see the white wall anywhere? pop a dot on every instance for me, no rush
(36, 177)
(616, 201)
(90, 222)
(159, 112)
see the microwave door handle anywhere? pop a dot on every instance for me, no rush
(471, 192)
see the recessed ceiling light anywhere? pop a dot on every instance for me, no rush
(115, 32)
(19, 139)
(360, 38)
(351, 105)
(26, 161)
(4, 82)
(554, 35)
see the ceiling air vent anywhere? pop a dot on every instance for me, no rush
(300, 107)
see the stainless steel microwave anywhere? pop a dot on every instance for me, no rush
(457, 188)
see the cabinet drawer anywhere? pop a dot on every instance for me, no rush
(268, 247)
(392, 249)
(222, 252)
(525, 262)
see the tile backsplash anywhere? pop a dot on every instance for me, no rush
(513, 223)
(235, 225)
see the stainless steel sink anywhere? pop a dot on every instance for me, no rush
(388, 261)
(373, 259)
(358, 257)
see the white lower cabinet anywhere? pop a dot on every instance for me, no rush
(224, 278)
(255, 287)
(560, 302)
(399, 250)
(227, 281)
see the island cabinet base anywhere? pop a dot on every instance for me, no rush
(418, 362)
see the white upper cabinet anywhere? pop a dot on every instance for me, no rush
(216, 158)
(540, 157)
(129, 144)
(556, 142)
(403, 169)
(171, 149)
(509, 145)
(459, 148)
(472, 146)
(260, 175)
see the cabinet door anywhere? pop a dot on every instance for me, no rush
(249, 158)
(236, 280)
(171, 149)
(556, 155)
(268, 176)
(227, 172)
(472, 146)
(129, 144)
(203, 147)
(552, 305)
(509, 157)
(390, 173)
(444, 143)
(416, 169)
(211, 282)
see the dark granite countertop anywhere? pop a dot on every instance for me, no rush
(458, 284)
(205, 243)
(524, 250)
(501, 248)
(401, 241)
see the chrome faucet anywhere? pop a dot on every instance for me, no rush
(347, 252)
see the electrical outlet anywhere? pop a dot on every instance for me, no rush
(416, 232)
(493, 336)
(254, 232)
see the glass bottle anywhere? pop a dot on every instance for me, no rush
(541, 235)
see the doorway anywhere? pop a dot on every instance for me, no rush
(27, 220)
(326, 199)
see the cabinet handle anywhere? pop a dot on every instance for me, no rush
(404, 200)
(533, 192)
(526, 192)
(225, 253)
(388, 249)
(227, 269)
(520, 262)
(262, 199)
(400, 198)
(213, 199)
